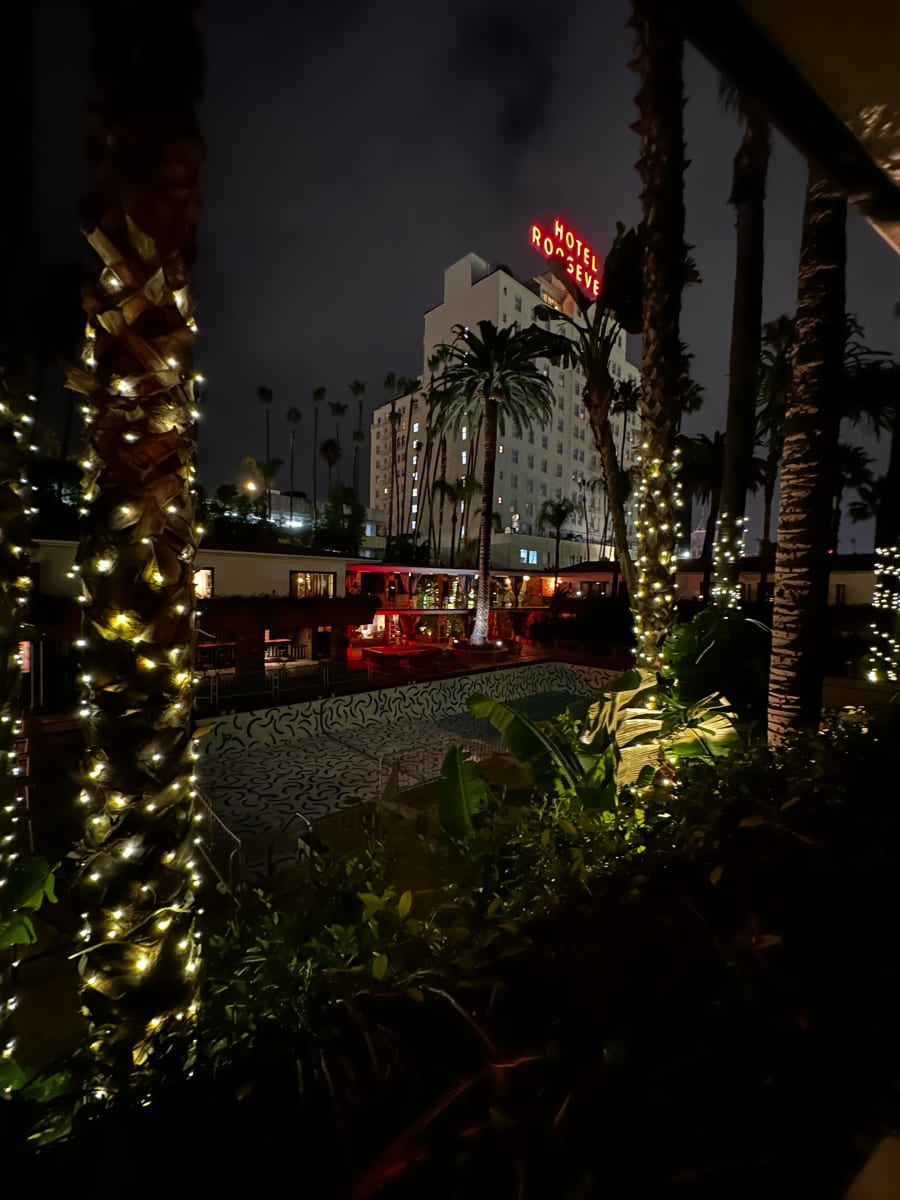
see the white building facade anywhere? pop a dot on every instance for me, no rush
(533, 465)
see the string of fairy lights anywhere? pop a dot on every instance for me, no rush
(656, 506)
(884, 654)
(17, 423)
(139, 855)
(729, 547)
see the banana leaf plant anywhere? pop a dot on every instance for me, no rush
(462, 793)
(643, 726)
(633, 730)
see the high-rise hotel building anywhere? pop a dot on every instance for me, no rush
(533, 465)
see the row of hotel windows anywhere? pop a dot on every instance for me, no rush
(302, 585)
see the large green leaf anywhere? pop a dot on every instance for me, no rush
(554, 764)
(29, 883)
(462, 793)
(12, 1077)
(706, 730)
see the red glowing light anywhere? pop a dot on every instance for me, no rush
(579, 257)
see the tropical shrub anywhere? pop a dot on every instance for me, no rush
(720, 650)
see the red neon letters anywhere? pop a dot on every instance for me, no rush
(580, 259)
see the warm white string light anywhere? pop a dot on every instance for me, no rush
(139, 869)
(728, 548)
(15, 585)
(657, 501)
(883, 662)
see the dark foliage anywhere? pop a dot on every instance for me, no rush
(712, 1016)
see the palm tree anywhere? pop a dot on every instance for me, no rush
(702, 460)
(359, 437)
(773, 388)
(660, 102)
(338, 411)
(493, 373)
(441, 476)
(593, 331)
(458, 495)
(748, 194)
(263, 475)
(265, 395)
(137, 858)
(553, 515)
(294, 417)
(358, 389)
(854, 474)
(330, 452)
(318, 395)
(407, 386)
(811, 425)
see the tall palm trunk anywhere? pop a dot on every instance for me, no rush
(356, 448)
(315, 453)
(470, 478)
(771, 478)
(291, 497)
(454, 516)
(137, 870)
(442, 467)
(599, 395)
(483, 598)
(424, 486)
(709, 540)
(404, 514)
(748, 196)
(268, 481)
(812, 421)
(660, 101)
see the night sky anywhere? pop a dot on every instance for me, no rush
(356, 149)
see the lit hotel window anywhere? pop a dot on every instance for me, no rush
(203, 583)
(415, 492)
(415, 508)
(464, 433)
(415, 427)
(304, 584)
(464, 457)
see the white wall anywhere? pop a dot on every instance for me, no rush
(236, 572)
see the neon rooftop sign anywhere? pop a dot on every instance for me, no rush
(579, 257)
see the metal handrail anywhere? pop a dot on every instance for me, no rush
(236, 850)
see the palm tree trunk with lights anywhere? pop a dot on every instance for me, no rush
(811, 425)
(17, 375)
(660, 102)
(137, 857)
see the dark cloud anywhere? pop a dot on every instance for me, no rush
(503, 59)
